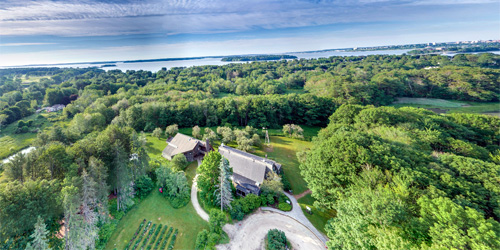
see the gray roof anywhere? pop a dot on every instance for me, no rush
(249, 166)
(180, 143)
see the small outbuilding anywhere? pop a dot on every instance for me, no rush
(192, 148)
(249, 171)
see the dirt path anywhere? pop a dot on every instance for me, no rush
(251, 232)
(194, 199)
(298, 196)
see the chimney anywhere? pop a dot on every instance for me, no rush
(266, 156)
(207, 144)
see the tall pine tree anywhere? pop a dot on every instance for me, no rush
(223, 192)
(39, 236)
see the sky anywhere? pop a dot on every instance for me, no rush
(65, 31)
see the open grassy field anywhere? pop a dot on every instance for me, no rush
(157, 209)
(317, 218)
(11, 143)
(448, 106)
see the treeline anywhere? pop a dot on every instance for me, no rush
(407, 179)
(59, 180)
(256, 58)
(19, 100)
(458, 49)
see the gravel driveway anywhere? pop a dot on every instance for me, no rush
(250, 233)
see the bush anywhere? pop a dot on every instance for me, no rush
(105, 232)
(286, 183)
(285, 206)
(245, 205)
(276, 240)
(180, 161)
(143, 186)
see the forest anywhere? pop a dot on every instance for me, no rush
(439, 168)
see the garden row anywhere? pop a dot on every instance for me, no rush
(155, 236)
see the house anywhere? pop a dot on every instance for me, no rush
(192, 148)
(249, 171)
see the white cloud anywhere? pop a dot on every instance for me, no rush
(23, 44)
(91, 18)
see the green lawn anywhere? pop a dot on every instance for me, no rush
(283, 150)
(11, 143)
(317, 218)
(155, 146)
(157, 209)
(449, 106)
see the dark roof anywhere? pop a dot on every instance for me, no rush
(180, 143)
(248, 166)
(248, 188)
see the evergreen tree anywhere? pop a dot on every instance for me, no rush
(39, 236)
(223, 193)
(124, 186)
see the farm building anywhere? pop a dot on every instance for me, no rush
(249, 171)
(192, 148)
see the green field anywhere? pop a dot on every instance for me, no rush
(11, 143)
(284, 150)
(157, 209)
(449, 106)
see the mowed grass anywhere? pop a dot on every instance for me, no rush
(157, 209)
(318, 218)
(492, 108)
(283, 150)
(155, 146)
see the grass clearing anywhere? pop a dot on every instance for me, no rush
(157, 209)
(284, 150)
(447, 106)
(11, 143)
(317, 218)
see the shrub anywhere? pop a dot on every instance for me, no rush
(245, 205)
(276, 240)
(143, 186)
(180, 161)
(285, 206)
(201, 240)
